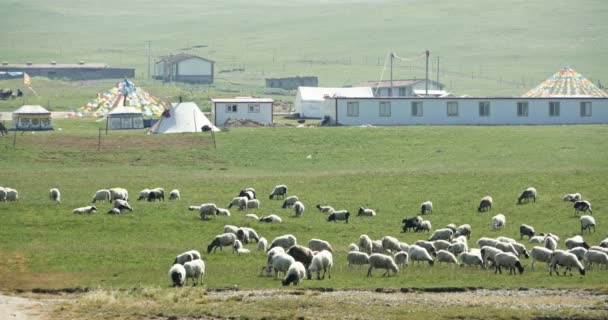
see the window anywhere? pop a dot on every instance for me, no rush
(385, 109)
(352, 109)
(390, 92)
(522, 109)
(484, 109)
(254, 108)
(402, 92)
(452, 109)
(553, 109)
(416, 108)
(586, 109)
(231, 108)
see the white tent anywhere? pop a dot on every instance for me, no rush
(123, 117)
(32, 117)
(182, 117)
(309, 100)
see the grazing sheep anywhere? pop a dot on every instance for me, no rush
(555, 237)
(483, 241)
(122, 205)
(302, 254)
(281, 263)
(377, 246)
(278, 191)
(55, 195)
(143, 194)
(114, 211)
(579, 252)
(540, 254)
(462, 239)
(598, 248)
(550, 243)
(429, 246)
(598, 257)
(537, 239)
(567, 260)
(319, 245)
(451, 226)
(382, 261)
(235, 201)
(194, 208)
(505, 239)
(365, 212)
(323, 260)
(325, 209)
(174, 195)
(365, 244)
(298, 208)
(119, 193)
(357, 258)
(2, 194)
(251, 216)
(195, 254)
(586, 223)
(11, 194)
(101, 195)
(353, 247)
(249, 204)
(487, 255)
(506, 247)
(289, 202)
(242, 235)
(526, 195)
(231, 229)
(156, 194)
(505, 259)
(471, 259)
(248, 193)
(426, 207)
(195, 269)
(442, 234)
(404, 246)
(270, 256)
(425, 225)
(498, 222)
(441, 244)
(458, 247)
(390, 244)
(252, 234)
(223, 212)
(526, 230)
(401, 258)
(177, 273)
(208, 209)
(295, 274)
(284, 241)
(222, 240)
(184, 257)
(341, 215)
(87, 209)
(271, 218)
(576, 241)
(521, 250)
(446, 256)
(411, 223)
(463, 230)
(582, 206)
(238, 248)
(604, 243)
(573, 197)
(485, 204)
(418, 253)
(262, 244)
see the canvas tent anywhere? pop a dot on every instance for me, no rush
(30, 117)
(123, 117)
(182, 117)
(566, 83)
(310, 100)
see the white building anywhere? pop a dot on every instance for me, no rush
(184, 68)
(405, 88)
(310, 100)
(122, 117)
(243, 108)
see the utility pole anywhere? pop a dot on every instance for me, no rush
(427, 74)
(390, 90)
(148, 42)
(437, 69)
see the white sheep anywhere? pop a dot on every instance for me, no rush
(281, 263)
(537, 239)
(541, 254)
(404, 246)
(446, 256)
(55, 195)
(505, 239)
(295, 274)
(365, 244)
(289, 201)
(122, 205)
(382, 261)
(223, 212)
(248, 204)
(598, 248)
(366, 212)
(319, 245)
(184, 257)
(174, 195)
(222, 240)
(442, 234)
(251, 216)
(237, 201)
(509, 260)
(269, 256)
(357, 258)
(284, 241)
(598, 257)
(242, 235)
(442, 244)
(567, 260)
(114, 211)
(2, 194)
(506, 247)
(521, 250)
(550, 243)
(471, 259)
(321, 261)
(195, 269)
(462, 239)
(418, 253)
(143, 194)
(252, 234)
(298, 208)
(483, 241)
(238, 248)
(340, 215)
(485, 204)
(425, 225)
(526, 195)
(119, 193)
(262, 244)
(353, 247)
(576, 241)
(102, 195)
(458, 247)
(177, 273)
(573, 197)
(11, 194)
(428, 246)
(325, 209)
(377, 246)
(586, 223)
(278, 191)
(579, 252)
(463, 230)
(271, 218)
(390, 244)
(87, 209)
(195, 254)
(498, 221)
(604, 243)
(426, 207)
(401, 258)
(208, 209)
(230, 229)
(487, 254)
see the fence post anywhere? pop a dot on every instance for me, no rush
(99, 140)
(15, 138)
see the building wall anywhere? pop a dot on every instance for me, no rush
(194, 67)
(76, 73)
(125, 121)
(242, 112)
(502, 111)
(409, 90)
(292, 83)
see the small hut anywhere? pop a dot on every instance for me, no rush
(32, 118)
(121, 118)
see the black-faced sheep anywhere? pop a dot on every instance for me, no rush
(381, 261)
(242, 235)
(222, 240)
(485, 204)
(582, 206)
(271, 218)
(586, 223)
(526, 195)
(341, 215)
(11, 194)
(426, 207)
(366, 212)
(248, 193)
(325, 209)
(174, 195)
(576, 241)
(573, 197)
(156, 194)
(289, 201)
(411, 223)
(509, 260)
(567, 260)
(122, 205)
(526, 230)
(295, 274)
(55, 195)
(278, 191)
(177, 273)
(298, 208)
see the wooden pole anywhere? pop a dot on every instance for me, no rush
(213, 135)
(427, 74)
(15, 138)
(99, 140)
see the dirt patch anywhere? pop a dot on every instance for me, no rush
(26, 308)
(241, 123)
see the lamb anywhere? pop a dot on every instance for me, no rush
(184, 257)
(365, 212)
(487, 254)
(418, 253)
(463, 230)
(526, 195)
(55, 195)
(251, 216)
(411, 223)
(87, 209)
(174, 195)
(567, 260)
(325, 209)
(114, 211)
(586, 223)
(119, 193)
(598, 257)
(281, 263)
(498, 221)
(177, 273)
(576, 241)
(242, 235)
(526, 230)
(322, 261)
(471, 259)
(208, 209)
(485, 204)
(248, 193)
(319, 245)
(401, 258)
(298, 208)
(381, 261)
(236, 201)
(295, 274)
(425, 225)
(143, 194)
(122, 205)
(156, 194)
(579, 252)
(238, 248)
(357, 258)
(505, 259)
(550, 243)
(302, 254)
(223, 212)
(262, 244)
(271, 218)
(426, 207)
(353, 247)
(541, 254)
(249, 204)
(285, 241)
(195, 269)
(279, 191)
(222, 240)
(441, 244)
(101, 195)
(457, 248)
(446, 256)
(341, 215)
(289, 202)
(428, 246)
(442, 234)
(582, 206)
(365, 244)
(390, 244)
(573, 197)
